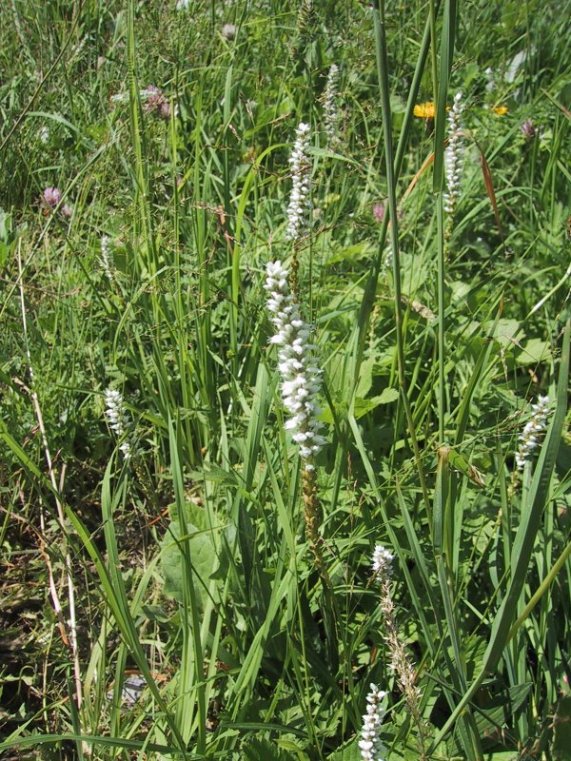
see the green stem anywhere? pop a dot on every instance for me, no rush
(382, 66)
(441, 322)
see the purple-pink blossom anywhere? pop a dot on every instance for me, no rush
(51, 198)
(528, 129)
(378, 212)
(156, 102)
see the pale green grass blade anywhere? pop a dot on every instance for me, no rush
(114, 591)
(192, 695)
(531, 514)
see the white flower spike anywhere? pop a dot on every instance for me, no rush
(330, 110)
(300, 170)
(300, 378)
(370, 743)
(531, 434)
(382, 560)
(117, 418)
(453, 155)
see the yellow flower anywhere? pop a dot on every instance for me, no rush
(424, 110)
(500, 110)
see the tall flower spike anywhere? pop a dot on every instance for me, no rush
(117, 418)
(453, 155)
(531, 434)
(105, 258)
(330, 110)
(370, 745)
(400, 662)
(299, 376)
(300, 171)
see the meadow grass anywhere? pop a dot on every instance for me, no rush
(189, 570)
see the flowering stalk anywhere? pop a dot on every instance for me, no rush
(300, 166)
(330, 110)
(298, 207)
(529, 437)
(400, 663)
(299, 387)
(453, 155)
(370, 745)
(300, 377)
(117, 419)
(306, 29)
(105, 258)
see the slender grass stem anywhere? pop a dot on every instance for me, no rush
(382, 71)
(370, 290)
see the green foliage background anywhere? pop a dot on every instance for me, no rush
(189, 562)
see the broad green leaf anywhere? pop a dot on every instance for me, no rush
(265, 750)
(202, 549)
(506, 331)
(363, 406)
(351, 253)
(388, 396)
(534, 352)
(349, 752)
(491, 716)
(365, 377)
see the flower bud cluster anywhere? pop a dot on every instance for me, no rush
(51, 199)
(117, 418)
(453, 155)
(155, 102)
(330, 110)
(153, 98)
(229, 32)
(105, 258)
(300, 171)
(300, 379)
(529, 437)
(399, 661)
(382, 560)
(528, 129)
(370, 743)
